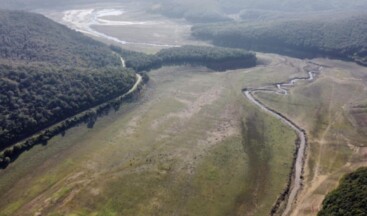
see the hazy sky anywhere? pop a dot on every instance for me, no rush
(224, 5)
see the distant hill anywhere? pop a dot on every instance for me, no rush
(214, 11)
(343, 37)
(37, 4)
(293, 5)
(49, 72)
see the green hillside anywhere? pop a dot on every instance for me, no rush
(49, 72)
(212, 11)
(30, 38)
(343, 38)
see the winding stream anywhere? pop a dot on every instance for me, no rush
(296, 181)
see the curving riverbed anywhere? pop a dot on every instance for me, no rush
(83, 20)
(296, 181)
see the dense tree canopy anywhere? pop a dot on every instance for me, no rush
(49, 73)
(30, 38)
(344, 38)
(137, 60)
(215, 58)
(350, 198)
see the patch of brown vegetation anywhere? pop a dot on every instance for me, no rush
(192, 107)
(227, 126)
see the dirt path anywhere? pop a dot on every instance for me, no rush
(296, 181)
(139, 79)
(123, 63)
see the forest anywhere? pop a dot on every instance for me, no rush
(215, 11)
(350, 198)
(215, 58)
(49, 73)
(31, 38)
(342, 38)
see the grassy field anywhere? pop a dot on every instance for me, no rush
(192, 145)
(332, 110)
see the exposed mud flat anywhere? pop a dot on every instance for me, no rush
(126, 25)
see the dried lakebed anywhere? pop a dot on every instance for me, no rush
(83, 20)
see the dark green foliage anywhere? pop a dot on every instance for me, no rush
(30, 38)
(338, 38)
(49, 73)
(33, 98)
(350, 198)
(138, 61)
(215, 58)
(88, 117)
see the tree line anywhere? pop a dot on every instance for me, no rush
(342, 38)
(215, 58)
(88, 117)
(33, 98)
(350, 198)
(49, 73)
(28, 38)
